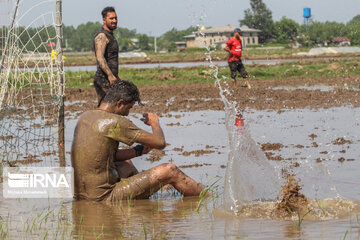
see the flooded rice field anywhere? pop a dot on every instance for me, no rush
(321, 147)
(311, 134)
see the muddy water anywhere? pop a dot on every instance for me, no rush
(178, 64)
(320, 147)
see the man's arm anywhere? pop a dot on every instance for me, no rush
(100, 46)
(156, 139)
(226, 48)
(129, 153)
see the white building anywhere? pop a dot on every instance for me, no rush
(220, 35)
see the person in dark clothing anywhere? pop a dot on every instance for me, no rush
(234, 47)
(107, 54)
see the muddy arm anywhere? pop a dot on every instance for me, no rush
(126, 154)
(100, 46)
(156, 139)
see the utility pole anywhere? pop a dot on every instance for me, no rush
(155, 50)
(60, 75)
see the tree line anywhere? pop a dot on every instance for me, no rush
(80, 38)
(287, 30)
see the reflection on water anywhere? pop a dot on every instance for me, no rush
(322, 88)
(163, 218)
(172, 218)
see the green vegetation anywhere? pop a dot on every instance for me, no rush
(80, 39)
(191, 55)
(259, 17)
(350, 67)
(287, 30)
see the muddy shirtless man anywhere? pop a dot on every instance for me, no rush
(107, 54)
(102, 170)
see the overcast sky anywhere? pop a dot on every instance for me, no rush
(155, 17)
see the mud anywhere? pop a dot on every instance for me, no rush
(271, 146)
(291, 200)
(163, 99)
(197, 153)
(155, 155)
(194, 165)
(341, 141)
(29, 159)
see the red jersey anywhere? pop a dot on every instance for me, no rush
(235, 49)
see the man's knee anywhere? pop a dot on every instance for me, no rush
(165, 172)
(168, 167)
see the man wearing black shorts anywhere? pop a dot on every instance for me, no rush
(107, 54)
(234, 47)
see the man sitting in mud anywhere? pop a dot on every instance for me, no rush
(103, 172)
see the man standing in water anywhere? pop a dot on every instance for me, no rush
(102, 170)
(234, 47)
(107, 54)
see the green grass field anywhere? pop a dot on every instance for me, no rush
(341, 67)
(189, 55)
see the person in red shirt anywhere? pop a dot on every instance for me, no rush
(234, 47)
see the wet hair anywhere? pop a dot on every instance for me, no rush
(106, 10)
(122, 89)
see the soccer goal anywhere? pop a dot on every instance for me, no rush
(32, 83)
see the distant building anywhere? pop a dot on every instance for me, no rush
(180, 46)
(341, 41)
(220, 35)
(190, 41)
(135, 42)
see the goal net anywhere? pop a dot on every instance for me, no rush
(32, 89)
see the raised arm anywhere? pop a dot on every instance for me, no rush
(147, 140)
(156, 139)
(100, 46)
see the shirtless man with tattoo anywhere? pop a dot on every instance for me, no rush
(107, 54)
(103, 172)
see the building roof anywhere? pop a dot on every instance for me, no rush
(190, 36)
(341, 39)
(229, 29)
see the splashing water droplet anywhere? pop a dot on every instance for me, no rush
(249, 176)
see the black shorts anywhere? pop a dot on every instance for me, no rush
(237, 66)
(101, 85)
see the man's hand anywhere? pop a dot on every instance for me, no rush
(146, 149)
(155, 139)
(150, 119)
(112, 79)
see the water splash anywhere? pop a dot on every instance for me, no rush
(250, 178)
